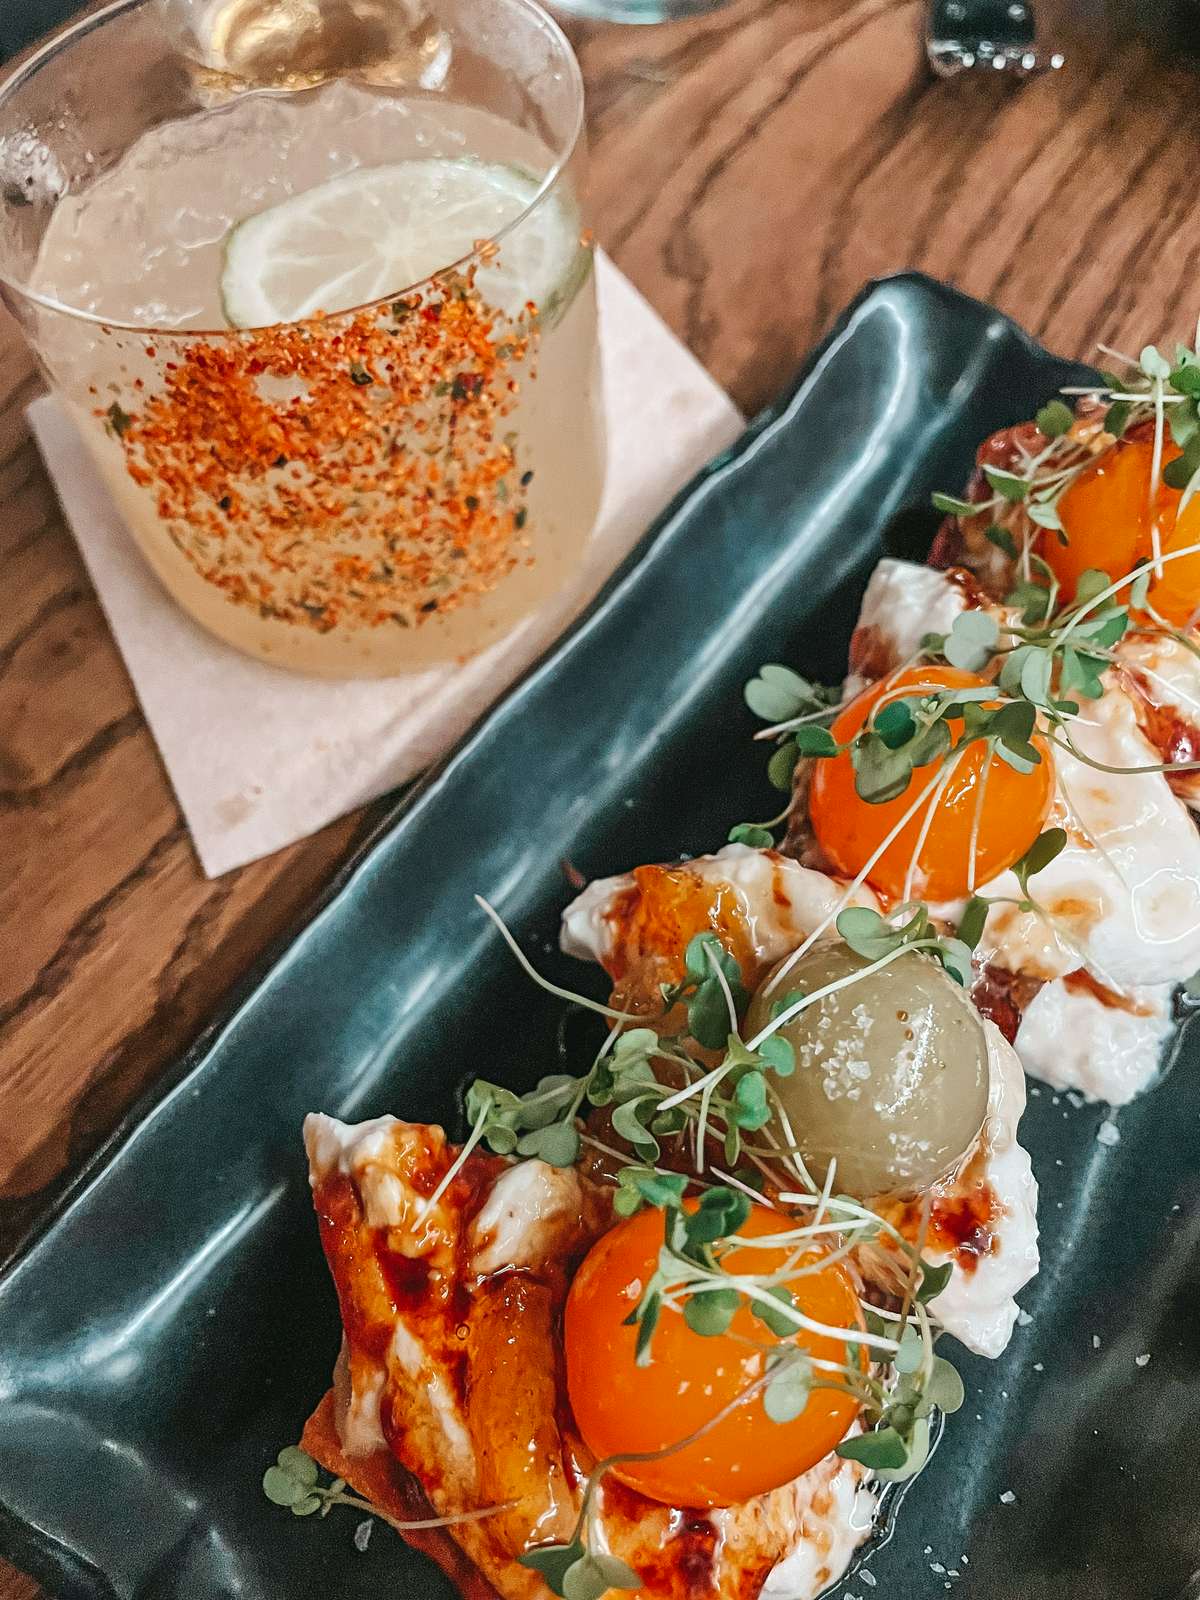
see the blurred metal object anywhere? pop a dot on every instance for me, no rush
(987, 36)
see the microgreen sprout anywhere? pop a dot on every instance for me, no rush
(294, 1482)
(795, 708)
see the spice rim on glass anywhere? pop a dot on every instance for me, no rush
(341, 482)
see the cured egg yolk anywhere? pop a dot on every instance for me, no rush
(622, 1408)
(850, 830)
(1107, 517)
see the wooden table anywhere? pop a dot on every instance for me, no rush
(749, 171)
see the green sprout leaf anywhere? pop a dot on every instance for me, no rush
(881, 1449)
(1092, 583)
(1046, 515)
(955, 957)
(595, 1575)
(1002, 539)
(1007, 484)
(752, 834)
(1184, 422)
(298, 1464)
(1116, 418)
(814, 740)
(638, 1186)
(720, 1213)
(750, 1108)
(778, 1053)
(1037, 669)
(916, 1455)
(1178, 474)
(911, 1352)
(786, 1396)
(710, 1311)
(866, 932)
(646, 1316)
(281, 1489)
(1045, 848)
(708, 1015)
(1033, 600)
(557, 1144)
(953, 507)
(1081, 674)
(782, 765)
(778, 694)
(1153, 364)
(970, 927)
(1055, 419)
(871, 936)
(1186, 377)
(972, 640)
(894, 723)
(552, 1562)
(880, 774)
(933, 1280)
(945, 1387)
(769, 1315)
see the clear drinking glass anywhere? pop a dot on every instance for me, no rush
(637, 10)
(310, 276)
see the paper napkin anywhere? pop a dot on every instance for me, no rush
(259, 757)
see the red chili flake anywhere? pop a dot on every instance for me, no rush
(400, 468)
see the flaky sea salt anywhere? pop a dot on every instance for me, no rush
(1143, 1360)
(1023, 1318)
(362, 1534)
(1108, 1133)
(1008, 1498)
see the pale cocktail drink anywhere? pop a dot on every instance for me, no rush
(334, 349)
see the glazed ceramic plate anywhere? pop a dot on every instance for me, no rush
(172, 1324)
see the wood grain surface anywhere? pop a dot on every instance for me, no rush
(749, 171)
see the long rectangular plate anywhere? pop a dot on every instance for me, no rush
(172, 1323)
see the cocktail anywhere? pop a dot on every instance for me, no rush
(313, 282)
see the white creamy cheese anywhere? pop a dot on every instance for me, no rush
(1125, 892)
(835, 1512)
(903, 603)
(524, 1217)
(979, 1308)
(1170, 677)
(1072, 1040)
(410, 1356)
(359, 1427)
(781, 901)
(340, 1147)
(364, 1152)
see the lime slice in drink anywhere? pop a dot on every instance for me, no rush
(375, 231)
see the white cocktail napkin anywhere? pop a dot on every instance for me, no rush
(259, 757)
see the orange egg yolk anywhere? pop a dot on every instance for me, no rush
(620, 1407)
(1106, 515)
(850, 830)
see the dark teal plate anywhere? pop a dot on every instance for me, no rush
(172, 1324)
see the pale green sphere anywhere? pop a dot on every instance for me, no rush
(891, 1072)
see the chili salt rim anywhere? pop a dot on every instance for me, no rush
(12, 82)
